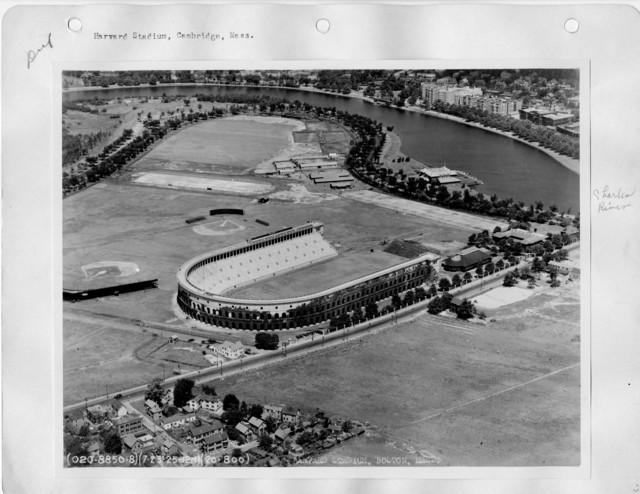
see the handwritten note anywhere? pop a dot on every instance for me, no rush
(609, 199)
(32, 54)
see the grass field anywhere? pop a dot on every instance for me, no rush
(98, 357)
(318, 277)
(221, 146)
(502, 394)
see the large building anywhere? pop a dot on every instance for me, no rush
(203, 281)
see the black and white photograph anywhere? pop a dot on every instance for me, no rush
(285, 268)
(302, 247)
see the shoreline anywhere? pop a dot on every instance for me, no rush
(571, 164)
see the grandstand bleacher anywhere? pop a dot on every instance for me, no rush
(406, 248)
(269, 260)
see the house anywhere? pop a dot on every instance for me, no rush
(128, 424)
(282, 434)
(167, 398)
(230, 350)
(198, 434)
(246, 432)
(218, 441)
(572, 232)
(212, 403)
(168, 423)
(115, 408)
(257, 425)
(153, 410)
(97, 414)
(442, 175)
(290, 415)
(76, 419)
(467, 259)
(139, 443)
(520, 236)
(93, 449)
(273, 411)
(568, 267)
(296, 452)
(169, 448)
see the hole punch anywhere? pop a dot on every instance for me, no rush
(74, 25)
(323, 26)
(571, 26)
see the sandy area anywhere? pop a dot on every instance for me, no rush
(447, 216)
(298, 194)
(202, 183)
(502, 296)
(224, 227)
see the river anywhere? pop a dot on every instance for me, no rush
(508, 168)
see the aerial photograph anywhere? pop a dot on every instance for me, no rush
(321, 268)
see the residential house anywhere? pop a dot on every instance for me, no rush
(115, 408)
(212, 403)
(273, 411)
(128, 424)
(198, 434)
(246, 432)
(97, 414)
(93, 449)
(230, 350)
(169, 448)
(218, 441)
(139, 443)
(296, 452)
(153, 410)
(290, 415)
(177, 420)
(282, 434)
(257, 425)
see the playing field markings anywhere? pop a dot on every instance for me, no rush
(497, 393)
(430, 324)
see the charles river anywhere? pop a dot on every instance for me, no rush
(508, 168)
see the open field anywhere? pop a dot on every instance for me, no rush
(96, 354)
(202, 183)
(318, 277)
(448, 216)
(146, 226)
(462, 394)
(233, 145)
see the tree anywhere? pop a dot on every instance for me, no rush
(409, 298)
(265, 442)
(395, 301)
(444, 284)
(509, 280)
(466, 310)
(74, 446)
(230, 402)
(538, 265)
(232, 417)
(112, 443)
(371, 310)
(306, 438)
(532, 282)
(480, 271)
(255, 411)
(207, 389)
(267, 341)
(456, 280)
(182, 392)
(467, 277)
(155, 391)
